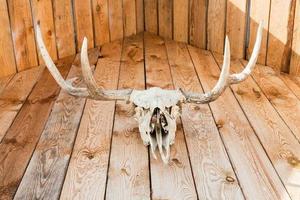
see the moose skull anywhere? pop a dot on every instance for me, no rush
(156, 110)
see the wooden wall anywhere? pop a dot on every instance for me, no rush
(202, 23)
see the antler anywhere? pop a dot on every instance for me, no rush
(92, 91)
(225, 79)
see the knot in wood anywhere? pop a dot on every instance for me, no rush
(230, 179)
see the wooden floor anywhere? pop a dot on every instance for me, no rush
(245, 145)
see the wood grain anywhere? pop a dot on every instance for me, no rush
(236, 26)
(116, 25)
(165, 18)
(46, 170)
(130, 17)
(257, 177)
(14, 95)
(151, 16)
(7, 59)
(175, 180)
(281, 97)
(140, 25)
(64, 28)
(100, 17)
(295, 59)
(23, 135)
(23, 34)
(197, 17)
(87, 171)
(280, 34)
(293, 82)
(210, 163)
(4, 81)
(259, 10)
(216, 18)
(275, 136)
(128, 176)
(83, 22)
(42, 13)
(180, 20)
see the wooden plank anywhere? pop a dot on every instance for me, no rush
(14, 95)
(101, 26)
(281, 97)
(151, 16)
(280, 34)
(169, 180)
(198, 10)
(115, 19)
(23, 135)
(165, 11)
(129, 13)
(259, 10)
(128, 176)
(295, 59)
(213, 173)
(46, 170)
(180, 20)
(236, 26)
(64, 28)
(4, 81)
(83, 23)
(7, 59)
(23, 34)
(87, 171)
(292, 82)
(257, 177)
(216, 18)
(277, 139)
(42, 13)
(140, 16)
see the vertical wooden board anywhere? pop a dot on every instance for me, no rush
(282, 98)
(213, 173)
(236, 26)
(139, 16)
(4, 82)
(278, 140)
(7, 59)
(64, 28)
(175, 180)
(151, 16)
(180, 20)
(23, 34)
(42, 13)
(257, 177)
(128, 176)
(295, 60)
(197, 12)
(129, 13)
(101, 26)
(14, 95)
(280, 34)
(165, 18)
(116, 25)
(83, 23)
(21, 138)
(216, 25)
(259, 10)
(87, 171)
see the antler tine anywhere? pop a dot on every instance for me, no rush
(225, 79)
(54, 71)
(94, 90)
(237, 78)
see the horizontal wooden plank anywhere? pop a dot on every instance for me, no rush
(210, 163)
(14, 95)
(293, 82)
(21, 138)
(255, 172)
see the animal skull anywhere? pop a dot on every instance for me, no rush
(156, 110)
